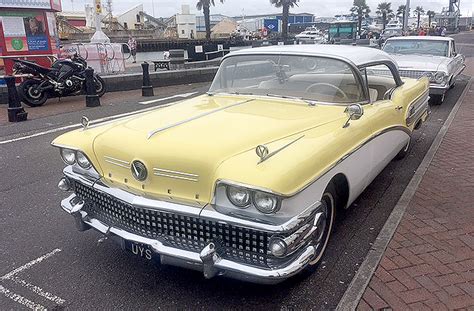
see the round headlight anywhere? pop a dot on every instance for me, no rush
(439, 77)
(82, 160)
(265, 203)
(240, 197)
(68, 156)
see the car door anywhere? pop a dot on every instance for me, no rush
(457, 60)
(389, 131)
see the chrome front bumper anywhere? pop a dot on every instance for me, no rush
(207, 260)
(436, 89)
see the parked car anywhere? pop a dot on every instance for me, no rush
(311, 35)
(246, 180)
(434, 57)
(389, 33)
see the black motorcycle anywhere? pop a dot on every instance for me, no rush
(66, 77)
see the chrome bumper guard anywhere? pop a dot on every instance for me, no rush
(207, 260)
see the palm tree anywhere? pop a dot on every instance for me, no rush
(430, 14)
(384, 9)
(418, 11)
(361, 10)
(401, 13)
(286, 5)
(205, 6)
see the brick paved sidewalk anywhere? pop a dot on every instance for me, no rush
(429, 263)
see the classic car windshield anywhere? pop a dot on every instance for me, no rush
(425, 47)
(310, 78)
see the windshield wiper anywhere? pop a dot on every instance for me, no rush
(308, 101)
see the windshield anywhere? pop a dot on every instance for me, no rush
(425, 47)
(309, 78)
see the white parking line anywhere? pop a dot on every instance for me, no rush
(78, 124)
(39, 291)
(29, 264)
(166, 98)
(35, 289)
(20, 299)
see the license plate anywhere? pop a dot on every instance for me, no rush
(140, 250)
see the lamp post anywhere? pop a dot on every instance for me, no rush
(407, 12)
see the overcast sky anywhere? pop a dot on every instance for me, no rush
(166, 8)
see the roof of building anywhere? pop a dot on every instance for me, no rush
(272, 14)
(355, 54)
(432, 38)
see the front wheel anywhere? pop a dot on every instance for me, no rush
(324, 221)
(31, 94)
(437, 99)
(99, 85)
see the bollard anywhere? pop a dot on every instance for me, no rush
(16, 113)
(92, 99)
(147, 89)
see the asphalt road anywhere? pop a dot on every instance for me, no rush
(80, 272)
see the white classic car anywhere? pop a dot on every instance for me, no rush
(434, 57)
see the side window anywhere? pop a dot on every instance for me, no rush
(380, 81)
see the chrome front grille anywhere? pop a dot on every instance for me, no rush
(414, 74)
(180, 231)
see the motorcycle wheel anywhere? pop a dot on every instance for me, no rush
(30, 95)
(99, 85)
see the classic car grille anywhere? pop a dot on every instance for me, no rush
(184, 232)
(414, 74)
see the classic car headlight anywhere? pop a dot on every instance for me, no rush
(68, 156)
(265, 203)
(82, 160)
(240, 197)
(439, 77)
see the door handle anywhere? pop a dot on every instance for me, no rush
(398, 108)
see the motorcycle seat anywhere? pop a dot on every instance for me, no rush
(39, 68)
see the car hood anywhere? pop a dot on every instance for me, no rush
(420, 62)
(193, 138)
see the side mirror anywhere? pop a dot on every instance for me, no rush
(354, 112)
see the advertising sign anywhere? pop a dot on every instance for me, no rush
(14, 33)
(271, 24)
(30, 4)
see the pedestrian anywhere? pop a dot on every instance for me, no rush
(132, 43)
(443, 31)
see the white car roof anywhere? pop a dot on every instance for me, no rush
(429, 38)
(355, 54)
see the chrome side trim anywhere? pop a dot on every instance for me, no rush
(150, 134)
(417, 108)
(117, 162)
(271, 154)
(175, 174)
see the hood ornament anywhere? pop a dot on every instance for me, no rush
(139, 171)
(85, 122)
(262, 151)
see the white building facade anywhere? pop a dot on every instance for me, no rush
(186, 23)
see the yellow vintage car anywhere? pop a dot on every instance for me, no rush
(246, 180)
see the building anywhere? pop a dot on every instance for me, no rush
(132, 19)
(272, 22)
(76, 19)
(214, 20)
(224, 29)
(186, 23)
